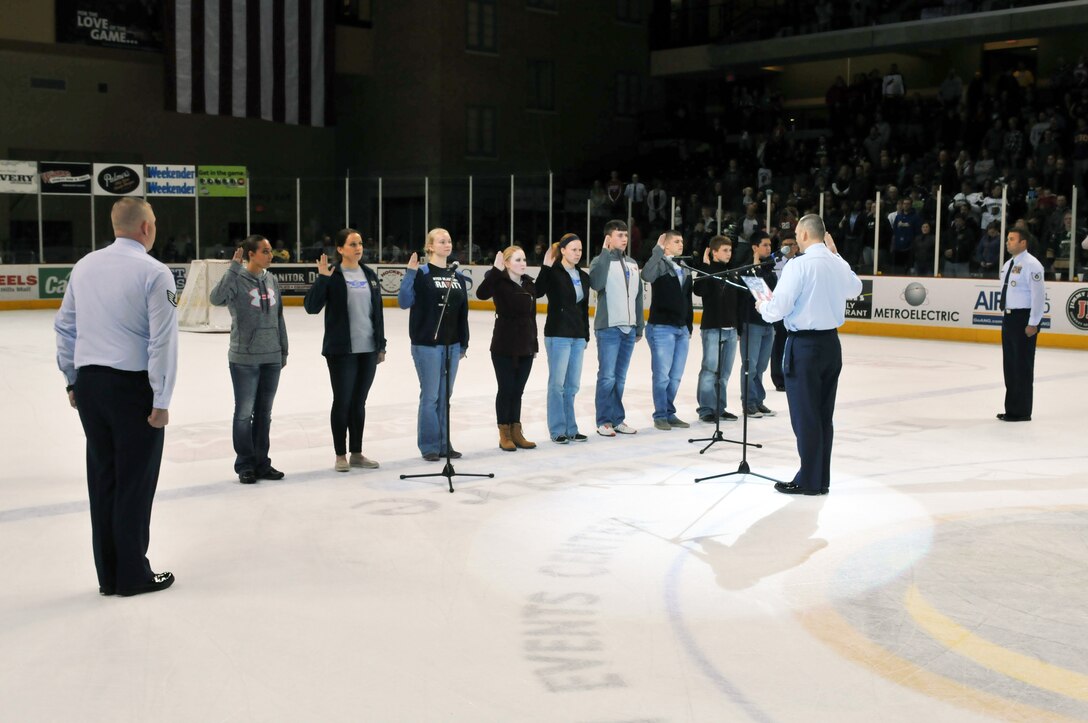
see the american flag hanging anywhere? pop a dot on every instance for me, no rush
(270, 59)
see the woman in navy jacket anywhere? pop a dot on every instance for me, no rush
(513, 343)
(566, 333)
(354, 342)
(423, 289)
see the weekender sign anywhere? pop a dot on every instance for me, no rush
(163, 180)
(221, 181)
(18, 177)
(116, 179)
(57, 178)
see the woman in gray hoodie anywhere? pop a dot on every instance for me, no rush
(258, 351)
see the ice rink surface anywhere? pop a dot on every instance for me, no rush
(943, 579)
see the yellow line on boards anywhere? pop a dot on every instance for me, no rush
(902, 331)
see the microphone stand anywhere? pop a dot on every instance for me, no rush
(743, 468)
(447, 471)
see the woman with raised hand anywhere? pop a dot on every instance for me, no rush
(354, 342)
(438, 328)
(258, 351)
(566, 333)
(513, 343)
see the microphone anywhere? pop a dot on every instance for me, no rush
(781, 253)
(452, 266)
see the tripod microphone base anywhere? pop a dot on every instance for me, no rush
(742, 469)
(449, 473)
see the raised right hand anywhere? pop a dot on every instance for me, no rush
(237, 258)
(413, 262)
(706, 256)
(323, 267)
(549, 258)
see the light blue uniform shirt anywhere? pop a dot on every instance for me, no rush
(812, 292)
(1027, 290)
(120, 311)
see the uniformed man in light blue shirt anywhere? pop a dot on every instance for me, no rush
(1023, 299)
(117, 342)
(811, 299)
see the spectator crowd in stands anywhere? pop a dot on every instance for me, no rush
(975, 142)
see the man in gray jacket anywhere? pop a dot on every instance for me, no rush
(258, 351)
(617, 323)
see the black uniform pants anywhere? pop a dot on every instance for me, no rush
(123, 457)
(811, 365)
(778, 348)
(1018, 357)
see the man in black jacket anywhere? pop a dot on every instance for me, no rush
(669, 329)
(718, 330)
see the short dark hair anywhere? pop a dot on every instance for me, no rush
(757, 237)
(1024, 234)
(614, 225)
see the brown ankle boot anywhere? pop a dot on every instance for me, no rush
(505, 443)
(519, 438)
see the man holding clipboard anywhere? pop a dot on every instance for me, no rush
(811, 299)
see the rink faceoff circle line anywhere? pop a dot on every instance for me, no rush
(825, 623)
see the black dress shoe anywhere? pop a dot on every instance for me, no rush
(161, 581)
(106, 590)
(1014, 418)
(247, 477)
(432, 457)
(780, 387)
(271, 473)
(707, 418)
(792, 488)
(454, 454)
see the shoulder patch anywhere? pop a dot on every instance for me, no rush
(172, 297)
(1036, 276)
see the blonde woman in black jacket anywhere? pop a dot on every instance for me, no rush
(566, 333)
(513, 343)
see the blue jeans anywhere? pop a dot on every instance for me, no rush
(707, 395)
(564, 377)
(431, 421)
(760, 341)
(614, 350)
(668, 354)
(254, 389)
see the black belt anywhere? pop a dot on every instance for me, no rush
(812, 332)
(1017, 311)
(94, 368)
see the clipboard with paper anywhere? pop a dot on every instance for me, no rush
(758, 287)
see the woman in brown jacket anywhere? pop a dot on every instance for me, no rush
(514, 342)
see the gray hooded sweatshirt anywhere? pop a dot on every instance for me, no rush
(258, 334)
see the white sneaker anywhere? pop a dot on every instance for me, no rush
(622, 428)
(605, 430)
